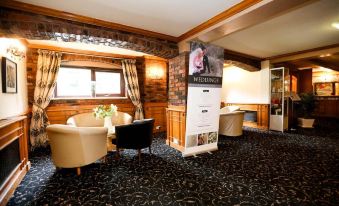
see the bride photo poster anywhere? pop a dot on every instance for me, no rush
(203, 98)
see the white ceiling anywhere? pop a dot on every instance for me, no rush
(305, 28)
(171, 17)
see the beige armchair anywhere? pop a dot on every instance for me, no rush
(231, 121)
(74, 147)
(229, 109)
(88, 120)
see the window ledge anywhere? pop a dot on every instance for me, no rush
(92, 98)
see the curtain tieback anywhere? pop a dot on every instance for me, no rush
(139, 105)
(38, 106)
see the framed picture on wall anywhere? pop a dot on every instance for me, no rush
(9, 76)
(324, 89)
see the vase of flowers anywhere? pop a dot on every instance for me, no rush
(106, 112)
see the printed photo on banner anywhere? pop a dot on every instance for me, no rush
(212, 137)
(192, 141)
(206, 60)
(200, 139)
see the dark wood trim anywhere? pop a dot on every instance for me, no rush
(323, 63)
(218, 18)
(250, 63)
(285, 57)
(83, 19)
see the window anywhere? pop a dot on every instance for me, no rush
(73, 82)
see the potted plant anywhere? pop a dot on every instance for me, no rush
(307, 106)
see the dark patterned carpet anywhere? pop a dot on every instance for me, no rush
(259, 168)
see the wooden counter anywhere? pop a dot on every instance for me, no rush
(176, 127)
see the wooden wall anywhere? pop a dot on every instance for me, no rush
(327, 107)
(58, 114)
(305, 81)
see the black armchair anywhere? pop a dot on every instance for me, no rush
(137, 135)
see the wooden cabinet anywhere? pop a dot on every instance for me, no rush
(13, 155)
(176, 127)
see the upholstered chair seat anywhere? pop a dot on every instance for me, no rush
(231, 121)
(88, 120)
(74, 147)
(137, 135)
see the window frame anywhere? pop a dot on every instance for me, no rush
(123, 92)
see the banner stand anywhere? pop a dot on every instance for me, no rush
(188, 153)
(203, 98)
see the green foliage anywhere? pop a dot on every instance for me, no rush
(103, 111)
(307, 104)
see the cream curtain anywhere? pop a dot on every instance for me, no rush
(47, 70)
(131, 79)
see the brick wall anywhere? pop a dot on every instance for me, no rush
(14, 23)
(177, 80)
(155, 80)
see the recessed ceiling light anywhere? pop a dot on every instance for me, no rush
(325, 55)
(335, 25)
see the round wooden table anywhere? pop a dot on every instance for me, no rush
(110, 137)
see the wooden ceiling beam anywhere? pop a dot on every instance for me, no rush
(326, 64)
(244, 61)
(219, 18)
(330, 49)
(292, 67)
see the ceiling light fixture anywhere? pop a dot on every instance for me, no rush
(335, 25)
(325, 55)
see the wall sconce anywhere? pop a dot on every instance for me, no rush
(156, 73)
(15, 52)
(13, 48)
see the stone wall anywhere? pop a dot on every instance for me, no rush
(14, 23)
(177, 80)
